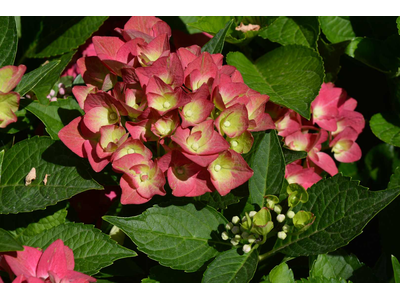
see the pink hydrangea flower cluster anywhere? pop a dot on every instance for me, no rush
(155, 114)
(54, 265)
(338, 127)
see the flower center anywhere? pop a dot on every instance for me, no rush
(167, 104)
(144, 177)
(234, 143)
(113, 116)
(217, 168)
(189, 113)
(227, 123)
(195, 146)
(131, 151)
(180, 170)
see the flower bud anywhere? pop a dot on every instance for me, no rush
(262, 222)
(280, 218)
(238, 237)
(225, 236)
(235, 220)
(251, 239)
(229, 226)
(281, 235)
(278, 209)
(290, 214)
(235, 229)
(234, 242)
(270, 201)
(252, 213)
(296, 194)
(303, 219)
(245, 235)
(246, 248)
(285, 228)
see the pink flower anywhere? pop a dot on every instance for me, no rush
(54, 265)
(306, 177)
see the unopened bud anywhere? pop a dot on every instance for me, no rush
(252, 213)
(251, 239)
(225, 236)
(290, 214)
(235, 229)
(229, 226)
(280, 218)
(244, 219)
(52, 93)
(61, 91)
(245, 235)
(281, 235)
(234, 242)
(278, 209)
(285, 228)
(246, 248)
(235, 220)
(238, 237)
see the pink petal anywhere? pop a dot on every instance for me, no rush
(324, 161)
(23, 262)
(53, 259)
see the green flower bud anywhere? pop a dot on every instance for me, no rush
(280, 218)
(252, 213)
(235, 242)
(303, 219)
(235, 229)
(285, 228)
(262, 222)
(278, 209)
(247, 223)
(235, 220)
(229, 226)
(246, 248)
(225, 236)
(270, 201)
(251, 239)
(281, 235)
(245, 235)
(296, 194)
(290, 214)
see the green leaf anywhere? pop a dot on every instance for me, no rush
(394, 179)
(216, 44)
(65, 34)
(339, 265)
(45, 85)
(292, 76)
(302, 31)
(167, 275)
(190, 19)
(291, 156)
(33, 78)
(217, 201)
(337, 29)
(280, 274)
(321, 280)
(268, 165)
(24, 225)
(55, 115)
(367, 51)
(149, 280)
(396, 269)
(342, 209)
(92, 249)
(387, 128)
(8, 243)
(8, 41)
(232, 266)
(68, 175)
(179, 237)
(331, 54)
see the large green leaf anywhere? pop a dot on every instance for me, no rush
(68, 175)
(179, 237)
(342, 208)
(217, 201)
(8, 243)
(63, 34)
(291, 155)
(42, 89)
(335, 265)
(337, 29)
(398, 24)
(394, 179)
(292, 75)
(8, 41)
(92, 249)
(232, 266)
(33, 78)
(55, 115)
(268, 165)
(387, 128)
(216, 44)
(280, 274)
(302, 31)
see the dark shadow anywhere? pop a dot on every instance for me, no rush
(67, 115)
